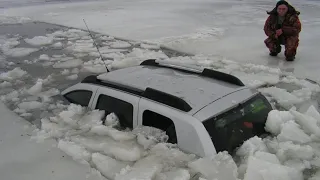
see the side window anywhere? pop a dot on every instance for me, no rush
(122, 109)
(81, 97)
(159, 121)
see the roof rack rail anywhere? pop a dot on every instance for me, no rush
(94, 80)
(167, 99)
(149, 93)
(222, 76)
(205, 72)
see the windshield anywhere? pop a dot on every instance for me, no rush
(231, 128)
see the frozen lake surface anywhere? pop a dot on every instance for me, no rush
(38, 60)
(229, 28)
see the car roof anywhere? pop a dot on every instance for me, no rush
(194, 88)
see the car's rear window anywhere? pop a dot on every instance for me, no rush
(231, 128)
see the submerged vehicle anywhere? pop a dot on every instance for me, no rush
(203, 111)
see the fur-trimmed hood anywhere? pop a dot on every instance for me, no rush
(291, 9)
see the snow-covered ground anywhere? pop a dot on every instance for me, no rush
(24, 159)
(228, 28)
(35, 68)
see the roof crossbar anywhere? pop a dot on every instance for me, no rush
(167, 99)
(149, 93)
(204, 72)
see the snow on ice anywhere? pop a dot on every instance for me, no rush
(19, 52)
(149, 46)
(44, 57)
(4, 19)
(57, 45)
(282, 96)
(302, 83)
(74, 150)
(108, 166)
(176, 174)
(120, 44)
(13, 96)
(72, 77)
(221, 166)
(39, 41)
(65, 72)
(30, 105)
(137, 56)
(5, 84)
(106, 50)
(8, 43)
(262, 170)
(14, 74)
(36, 89)
(276, 119)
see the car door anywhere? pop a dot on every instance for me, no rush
(124, 105)
(190, 134)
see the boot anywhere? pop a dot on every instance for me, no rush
(290, 58)
(273, 53)
(278, 49)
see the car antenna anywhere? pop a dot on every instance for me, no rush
(94, 42)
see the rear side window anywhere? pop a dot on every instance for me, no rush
(159, 121)
(122, 109)
(230, 129)
(81, 97)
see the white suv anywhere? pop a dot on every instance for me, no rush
(203, 111)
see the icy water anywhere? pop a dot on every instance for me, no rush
(83, 51)
(43, 68)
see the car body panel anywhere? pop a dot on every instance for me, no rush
(224, 104)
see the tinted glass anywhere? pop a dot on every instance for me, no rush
(230, 129)
(122, 109)
(81, 97)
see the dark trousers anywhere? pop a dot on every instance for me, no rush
(291, 44)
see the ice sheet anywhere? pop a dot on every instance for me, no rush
(190, 31)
